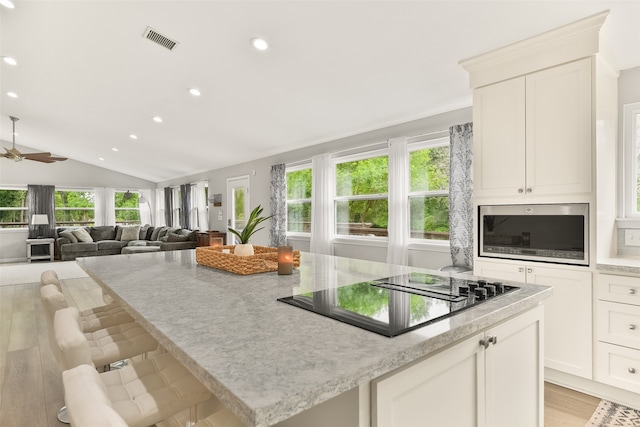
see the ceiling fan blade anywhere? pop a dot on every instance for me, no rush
(59, 159)
(41, 159)
(25, 155)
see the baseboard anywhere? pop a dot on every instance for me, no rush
(12, 260)
(593, 388)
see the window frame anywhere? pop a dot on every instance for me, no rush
(75, 190)
(116, 209)
(631, 152)
(297, 168)
(361, 155)
(443, 141)
(21, 208)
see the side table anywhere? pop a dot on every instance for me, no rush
(35, 242)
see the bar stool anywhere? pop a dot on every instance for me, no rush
(142, 393)
(94, 318)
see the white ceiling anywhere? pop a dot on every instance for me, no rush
(87, 79)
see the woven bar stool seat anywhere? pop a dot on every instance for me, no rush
(139, 395)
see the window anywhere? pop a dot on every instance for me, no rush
(631, 129)
(74, 208)
(13, 208)
(127, 208)
(299, 199)
(361, 196)
(429, 190)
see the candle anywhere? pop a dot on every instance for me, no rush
(285, 260)
(215, 242)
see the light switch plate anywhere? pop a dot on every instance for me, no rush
(219, 214)
(632, 237)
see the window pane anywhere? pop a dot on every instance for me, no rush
(367, 176)
(74, 217)
(299, 184)
(127, 208)
(74, 208)
(238, 198)
(74, 199)
(299, 217)
(362, 217)
(429, 217)
(17, 217)
(429, 169)
(126, 200)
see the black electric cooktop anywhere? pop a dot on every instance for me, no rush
(394, 305)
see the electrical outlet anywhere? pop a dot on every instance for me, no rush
(219, 214)
(632, 237)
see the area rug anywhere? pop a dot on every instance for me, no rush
(612, 414)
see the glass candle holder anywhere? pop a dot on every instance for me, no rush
(215, 242)
(285, 260)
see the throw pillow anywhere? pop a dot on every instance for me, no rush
(118, 232)
(173, 237)
(69, 235)
(82, 235)
(131, 232)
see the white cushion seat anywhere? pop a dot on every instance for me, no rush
(141, 394)
(101, 347)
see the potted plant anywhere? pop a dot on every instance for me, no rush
(245, 248)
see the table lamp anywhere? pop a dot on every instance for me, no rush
(39, 220)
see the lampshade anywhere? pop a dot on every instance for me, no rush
(39, 219)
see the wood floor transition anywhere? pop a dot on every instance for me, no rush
(30, 381)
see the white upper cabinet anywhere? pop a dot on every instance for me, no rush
(532, 134)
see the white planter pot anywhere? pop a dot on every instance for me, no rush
(243, 249)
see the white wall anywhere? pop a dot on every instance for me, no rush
(66, 174)
(260, 181)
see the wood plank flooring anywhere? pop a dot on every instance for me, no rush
(30, 381)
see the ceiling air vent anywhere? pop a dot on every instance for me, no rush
(158, 38)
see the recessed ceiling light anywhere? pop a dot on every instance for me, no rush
(195, 92)
(101, 159)
(132, 136)
(12, 94)
(259, 43)
(7, 3)
(114, 149)
(9, 60)
(157, 119)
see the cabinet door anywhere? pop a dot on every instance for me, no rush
(558, 130)
(568, 319)
(514, 372)
(499, 138)
(444, 390)
(501, 271)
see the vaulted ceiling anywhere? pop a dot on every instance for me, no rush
(86, 78)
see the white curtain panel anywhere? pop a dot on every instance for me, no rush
(461, 194)
(145, 206)
(322, 214)
(159, 208)
(99, 206)
(109, 206)
(398, 227)
(199, 214)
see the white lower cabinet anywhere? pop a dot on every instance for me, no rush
(568, 313)
(618, 331)
(493, 378)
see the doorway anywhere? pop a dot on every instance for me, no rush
(238, 202)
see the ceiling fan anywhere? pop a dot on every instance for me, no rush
(17, 156)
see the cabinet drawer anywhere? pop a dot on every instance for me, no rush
(619, 324)
(623, 289)
(618, 366)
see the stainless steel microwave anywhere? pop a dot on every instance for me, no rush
(555, 233)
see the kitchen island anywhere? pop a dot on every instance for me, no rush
(270, 362)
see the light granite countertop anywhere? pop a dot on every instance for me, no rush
(267, 360)
(619, 265)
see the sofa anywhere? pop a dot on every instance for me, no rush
(110, 240)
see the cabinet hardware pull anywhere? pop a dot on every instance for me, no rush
(520, 190)
(520, 269)
(632, 327)
(529, 190)
(632, 370)
(493, 340)
(632, 291)
(529, 270)
(486, 342)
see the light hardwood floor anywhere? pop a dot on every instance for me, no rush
(30, 381)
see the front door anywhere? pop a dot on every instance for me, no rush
(238, 202)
